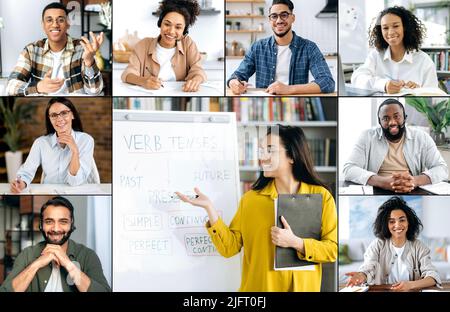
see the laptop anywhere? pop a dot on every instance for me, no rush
(347, 89)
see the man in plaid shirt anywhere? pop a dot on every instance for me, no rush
(57, 64)
(282, 62)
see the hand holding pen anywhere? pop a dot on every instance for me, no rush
(238, 87)
(49, 85)
(152, 82)
(18, 185)
(394, 86)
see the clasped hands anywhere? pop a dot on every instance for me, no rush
(402, 182)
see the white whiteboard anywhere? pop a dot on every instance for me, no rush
(161, 243)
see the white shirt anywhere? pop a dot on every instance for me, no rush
(58, 71)
(54, 283)
(379, 68)
(399, 270)
(164, 57)
(55, 160)
(284, 55)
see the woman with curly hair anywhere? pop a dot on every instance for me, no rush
(396, 62)
(173, 55)
(396, 257)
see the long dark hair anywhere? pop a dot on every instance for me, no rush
(296, 146)
(414, 30)
(381, 227)
(76, 122)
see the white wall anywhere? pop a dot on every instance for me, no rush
(436, 216)
(22, 25)
(207, 31)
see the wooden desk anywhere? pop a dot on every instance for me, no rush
(260, 92)
(387, 288)
(380, 191)
(85, 189)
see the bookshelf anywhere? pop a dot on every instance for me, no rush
(316, 116)
(441, 57)
(19, 227)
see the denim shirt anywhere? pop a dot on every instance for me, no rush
(420, 151)
(306, 56)
(380, 256)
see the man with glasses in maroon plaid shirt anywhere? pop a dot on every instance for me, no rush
(283, 61)
(57, 64)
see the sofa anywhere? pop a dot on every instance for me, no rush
(352, 251)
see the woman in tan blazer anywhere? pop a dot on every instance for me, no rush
(173, 55)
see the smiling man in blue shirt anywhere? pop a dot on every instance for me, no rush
(282, 62)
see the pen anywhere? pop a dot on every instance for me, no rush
(188, 196)
(152, 75)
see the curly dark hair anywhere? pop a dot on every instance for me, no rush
(190, 9)
(380, 226)
(414, 30)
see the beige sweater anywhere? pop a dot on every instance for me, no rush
(380, 255)
(185, 62)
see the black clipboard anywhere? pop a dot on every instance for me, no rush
(303, 213)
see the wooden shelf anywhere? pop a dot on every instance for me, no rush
(244, 31)
(234, 57)
(244, 16)
(304, 124)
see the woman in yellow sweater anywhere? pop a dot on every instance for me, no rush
(287, 168)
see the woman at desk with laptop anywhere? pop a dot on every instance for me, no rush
(396, 256)
(173, 55)
(396, 62)
(65, 152)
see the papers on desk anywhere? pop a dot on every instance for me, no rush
(355, 289)
(174, 88)
(356, 190)
(84, 189)
(419, 92)
(441, 188)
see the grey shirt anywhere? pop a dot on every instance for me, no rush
(419, 149)
(380, 256)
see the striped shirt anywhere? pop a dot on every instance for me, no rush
(36, 60)
(306, 56)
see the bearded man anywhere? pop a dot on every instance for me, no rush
(394, 156)
(57, 264)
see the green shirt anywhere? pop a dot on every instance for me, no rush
(87, 259)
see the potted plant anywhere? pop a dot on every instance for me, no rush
(438, 115)
(12, 116)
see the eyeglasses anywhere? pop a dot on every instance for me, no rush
(283, 15)
(268, 151)
(64, 114)
(59, 20)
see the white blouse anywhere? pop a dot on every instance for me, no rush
(379, 68)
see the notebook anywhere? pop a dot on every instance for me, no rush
(441, 188)
(419, 92)
(303, 212)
